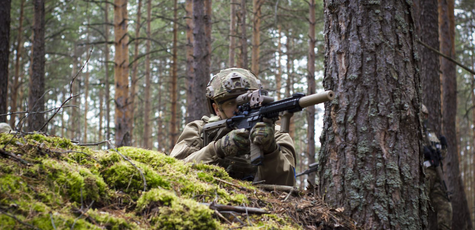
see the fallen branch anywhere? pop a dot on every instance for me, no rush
(93, 144)
(273, 187)
(5, 153)
(220, 207)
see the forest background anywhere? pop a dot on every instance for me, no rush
(138, 61)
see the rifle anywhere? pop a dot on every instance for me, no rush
(311, 168)
(255, 106)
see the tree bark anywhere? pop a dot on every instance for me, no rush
(370, 160)
(174, 80)
(190, 71)
(147, 108)
(4, 55)
(121, 72)
(461, 215)
(200, 53)
(36, 100)
(16, 78)
(243, 57)
(256, 38)
(311, 88)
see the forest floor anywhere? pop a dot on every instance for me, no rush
(51, 183)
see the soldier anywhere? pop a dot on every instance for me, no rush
(435, 150)
(231, 151)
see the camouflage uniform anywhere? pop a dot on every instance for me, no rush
(277, 168)
(435, 189)
(279, 162)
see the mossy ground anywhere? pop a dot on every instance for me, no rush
(60, 185)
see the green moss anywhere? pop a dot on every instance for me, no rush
(175, 212)
(110, 221)
(124, 176)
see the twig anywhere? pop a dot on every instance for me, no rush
(222, 217)
(82, 213)
(447, 57)
(14, 157)
(19, 221)
(57, 111)
(140, 171)
(229, 183)
(289, 194)
(52, 220)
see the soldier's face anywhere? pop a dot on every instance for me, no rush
(226, 109)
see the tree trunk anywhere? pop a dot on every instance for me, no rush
(461, 215)
(121, 72)
(86, 93)
(106, 71)
(232, 34)
(174, 80)
(16, 78)
(36, 100)
(200, 53)
(134, 86)
(243, 57)
(148, 76)
(73, 125)
(190, 71)
(160, 110)
(4, 55)
(256, 30)
(289, 81)
(311, 88)
(371, 158)
(429, 34)
(208, 25)
(278, 75)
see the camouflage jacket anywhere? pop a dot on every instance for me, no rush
(277, 168)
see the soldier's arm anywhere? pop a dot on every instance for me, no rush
(190, 147)
(279, 167)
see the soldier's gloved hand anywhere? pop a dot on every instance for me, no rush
(234, 143)
(262, 134)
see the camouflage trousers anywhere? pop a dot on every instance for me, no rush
(438, 199)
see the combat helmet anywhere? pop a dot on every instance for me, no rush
(228, 84)
(5, 128)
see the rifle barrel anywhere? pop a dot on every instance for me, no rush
(316, 98)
